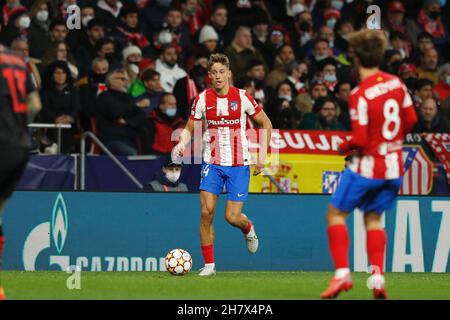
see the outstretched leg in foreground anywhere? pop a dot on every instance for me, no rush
(208, 206)
(235, 217)
(376, 247)
(339, 243)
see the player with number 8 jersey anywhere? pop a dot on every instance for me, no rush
(381, 113)
(226, 157)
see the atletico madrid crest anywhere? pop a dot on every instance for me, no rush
(233, 105)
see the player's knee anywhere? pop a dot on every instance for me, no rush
(207, 214)
(231, 219)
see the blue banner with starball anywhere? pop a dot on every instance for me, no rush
(134, 232)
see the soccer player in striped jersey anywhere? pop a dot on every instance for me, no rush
(226, 157)
(382, 113)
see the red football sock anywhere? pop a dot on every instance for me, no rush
(248, 228)
(376, 246)
(2, 243)
(339, 243)
(208, 253)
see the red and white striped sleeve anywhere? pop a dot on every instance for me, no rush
(250, 106)
(198, 107)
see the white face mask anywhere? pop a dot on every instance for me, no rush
(24, 22)
(42, 15)
(86, 20)
(297, 8)
(173, 176)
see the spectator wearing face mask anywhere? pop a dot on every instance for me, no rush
(38, 33)
(397, 22)
(90, 87)
(331, 17)
(431, 22)
(281, 108)
(392, 61)
(442, 89)
(328, 72)
(297, 76)
(132, 56)
(168, 179)
(408, 74)
(161, 124)
(18, 24)
(186, 89)
(325, 116)
(321, 51)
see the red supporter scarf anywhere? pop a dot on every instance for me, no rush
(433, 27)
(135, 37)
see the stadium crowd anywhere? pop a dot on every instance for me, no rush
(132, 70)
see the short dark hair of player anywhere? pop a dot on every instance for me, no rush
(149, 74)
(218, 58)
(319, 103)
(369, 46)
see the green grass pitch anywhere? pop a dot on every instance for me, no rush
(225, 285)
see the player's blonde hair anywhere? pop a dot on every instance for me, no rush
(369, 46)
(218, 58)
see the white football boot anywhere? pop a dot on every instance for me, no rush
(208, 270)
(252, 240)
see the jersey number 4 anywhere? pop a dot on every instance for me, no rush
(16, 83)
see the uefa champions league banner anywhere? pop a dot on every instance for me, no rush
(134, 232)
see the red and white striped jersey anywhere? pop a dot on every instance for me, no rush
(382, 113)
(225, 141)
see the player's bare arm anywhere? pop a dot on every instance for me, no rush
(185, 138)
(265, 125)
(34, 105)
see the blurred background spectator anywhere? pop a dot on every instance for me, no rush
(167, 179)
(290, 55)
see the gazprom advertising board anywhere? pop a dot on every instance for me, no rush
(134, 231)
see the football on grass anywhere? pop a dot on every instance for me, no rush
(178, 262)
